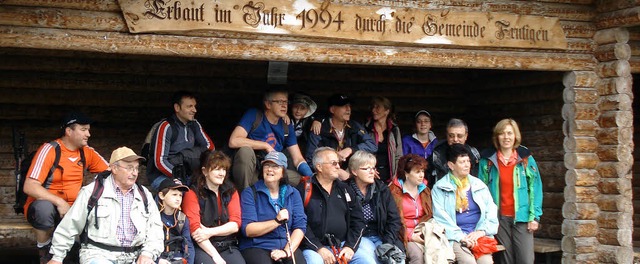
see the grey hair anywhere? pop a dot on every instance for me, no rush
(455, 122)
(360, 158)
(317, 158)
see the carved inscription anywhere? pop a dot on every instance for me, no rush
(323, 19)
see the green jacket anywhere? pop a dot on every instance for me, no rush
(527, 189)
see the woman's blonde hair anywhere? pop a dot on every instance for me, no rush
(499, 129)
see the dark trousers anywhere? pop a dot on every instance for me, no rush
(230, 255)
(262, 256)
(517, 241)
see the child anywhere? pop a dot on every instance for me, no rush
(178, 247)
(302, 109)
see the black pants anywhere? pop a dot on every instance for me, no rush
(262, 256)
(230, 255)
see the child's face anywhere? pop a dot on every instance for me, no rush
(173, 199)
(299, 111)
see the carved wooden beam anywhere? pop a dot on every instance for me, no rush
(165, 45)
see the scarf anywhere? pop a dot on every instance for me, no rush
(462, 201)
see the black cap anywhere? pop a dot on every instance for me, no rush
(75, 118)
(339, 100)
(171, 184)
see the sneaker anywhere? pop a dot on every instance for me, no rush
(45, 256)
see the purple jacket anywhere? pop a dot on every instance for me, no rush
(411, 145)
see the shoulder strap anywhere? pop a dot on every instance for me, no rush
(98, 188)
(306, 180)
(144, 197)
(56, 162)
(256, 122)
(181, 219)
(174, 129)
(83, 159)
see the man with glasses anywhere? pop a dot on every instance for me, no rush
(177, 143)
(341, 133)
(335, 221)
(260, 132)
(457, 133)
(53, 189)
(126, 229)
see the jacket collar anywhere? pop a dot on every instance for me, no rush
(432, 136)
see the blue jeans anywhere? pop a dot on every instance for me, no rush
(360, 256)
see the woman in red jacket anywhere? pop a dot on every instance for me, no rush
(413, 198)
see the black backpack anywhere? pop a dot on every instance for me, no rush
(21, 197)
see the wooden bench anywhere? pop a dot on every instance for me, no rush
(547, 247)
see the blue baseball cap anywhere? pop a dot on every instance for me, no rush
(277, 158)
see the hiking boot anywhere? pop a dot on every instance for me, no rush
(45, 256)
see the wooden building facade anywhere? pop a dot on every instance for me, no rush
(574, 104)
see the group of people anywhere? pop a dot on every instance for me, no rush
(308, 187)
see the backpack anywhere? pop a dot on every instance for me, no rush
(98, 189)
(21, 197)
(146, 146)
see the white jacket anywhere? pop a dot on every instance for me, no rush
(148, 225)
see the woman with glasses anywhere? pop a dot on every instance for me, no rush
(213, 208)
(273, 219)
(413, 199)
(386, 134)
(380, 212)
(423, 140)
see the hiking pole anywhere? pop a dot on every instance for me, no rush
(286, 227)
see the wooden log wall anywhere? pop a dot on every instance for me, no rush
(127, 95)
(615, 136)
(534, 100)
(636, 166)
(58, 55)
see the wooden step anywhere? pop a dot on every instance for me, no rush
(16, 233)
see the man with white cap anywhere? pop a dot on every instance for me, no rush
(125, 229)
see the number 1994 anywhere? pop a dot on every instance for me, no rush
(311, 18)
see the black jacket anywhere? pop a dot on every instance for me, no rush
(437, 167)
(386, 211)
(355, 137)
(318, 219)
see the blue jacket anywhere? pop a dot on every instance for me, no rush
(411, 145)
(527, 189)
(443, 196)
(260, 209)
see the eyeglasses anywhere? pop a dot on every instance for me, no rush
(280, 102)
(332, 163)
(129, 169)
(270, 165)
(368, 168)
